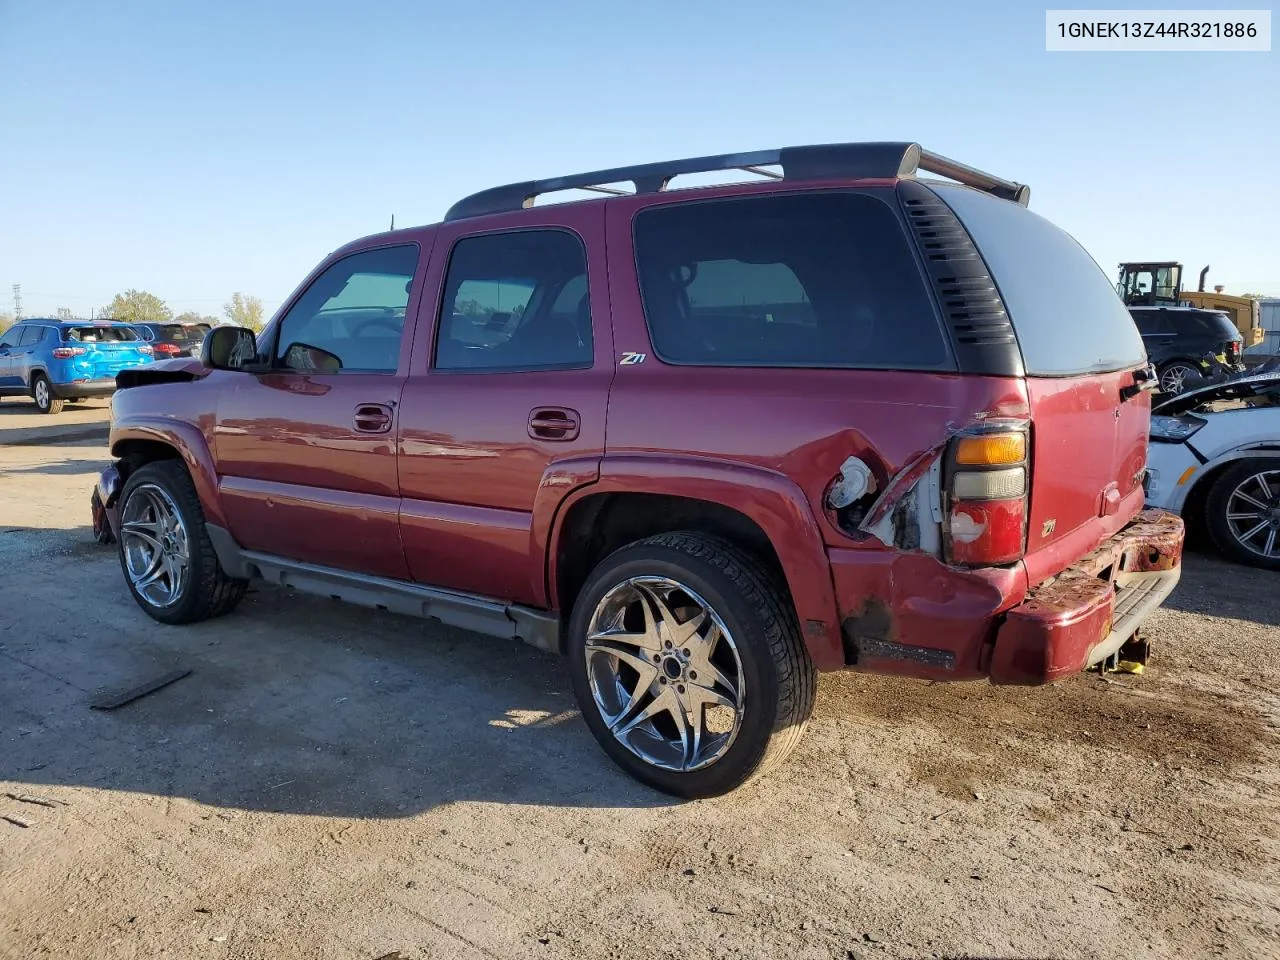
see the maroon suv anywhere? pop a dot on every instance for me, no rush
(702, 441)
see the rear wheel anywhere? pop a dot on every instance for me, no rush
(165, 551)
(1173, 376)
(688, 664)
(1242, 513)
(42, 393)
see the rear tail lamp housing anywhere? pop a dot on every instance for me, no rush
(987, 487)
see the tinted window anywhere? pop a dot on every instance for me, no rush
(516, 301)
(1217, 326)
(1064, 310)
(100, 334)
(354, 310)
(1151, 323)
(31, 335)
(819, 279)
(11, 337)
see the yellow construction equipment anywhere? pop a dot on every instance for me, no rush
(1160, 284)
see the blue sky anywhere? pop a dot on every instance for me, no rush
(196, 150)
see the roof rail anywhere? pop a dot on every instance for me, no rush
(816, 162)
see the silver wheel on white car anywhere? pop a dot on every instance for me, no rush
(1242, 512)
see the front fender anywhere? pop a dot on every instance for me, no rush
(1249, 451)
(771, 500)
(191, 446)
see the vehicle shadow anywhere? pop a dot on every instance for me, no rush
(62, 468)
(293, 704)
(1214, 586)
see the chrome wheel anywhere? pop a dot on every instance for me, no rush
(1173, 379)
(154, 542)
(42, 395)
(665, 673)
(1253, 514)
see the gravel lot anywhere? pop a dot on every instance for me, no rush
(329, 782)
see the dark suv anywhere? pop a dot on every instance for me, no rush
(1178, 338)
(704, 442)
(174, 339)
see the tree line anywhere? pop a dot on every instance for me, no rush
(140, 306)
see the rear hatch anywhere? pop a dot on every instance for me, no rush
(101, 350)
(1221, 330)
(1082, 355)
(178, 340)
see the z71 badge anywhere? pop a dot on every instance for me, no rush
(630, 358)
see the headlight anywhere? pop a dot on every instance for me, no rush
(1175, 429)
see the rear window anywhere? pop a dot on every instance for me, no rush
(100, 334)
(1067, 315)
(820, 279)
(177, 331)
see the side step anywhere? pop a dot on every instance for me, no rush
(538, 628)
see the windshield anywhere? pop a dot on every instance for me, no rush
(104, 334)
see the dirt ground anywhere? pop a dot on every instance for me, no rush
(329, 782)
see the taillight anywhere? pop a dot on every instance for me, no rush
(162, 348)
(987, 488)
(66, 353)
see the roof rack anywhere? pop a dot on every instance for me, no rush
(816, 162)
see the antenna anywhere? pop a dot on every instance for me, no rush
(393, 221)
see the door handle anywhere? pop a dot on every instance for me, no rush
(554, 423)
(372, 418)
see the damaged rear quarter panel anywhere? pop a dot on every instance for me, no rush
(912, 615)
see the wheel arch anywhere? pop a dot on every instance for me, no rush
(141, 442)
(1193, 501)
(761, 511)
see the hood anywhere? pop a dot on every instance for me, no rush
(1237, 388)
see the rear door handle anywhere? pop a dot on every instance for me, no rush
(554, 423)
(373, 418)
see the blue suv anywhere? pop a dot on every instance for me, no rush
(53, 361)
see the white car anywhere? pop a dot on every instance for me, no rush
(1214, 456)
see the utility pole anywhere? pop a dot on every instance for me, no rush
(17, 301)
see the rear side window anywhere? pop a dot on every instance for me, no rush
(102, 334)
(1151, 323)
(820, 279)
(1209, 325)
(516, 301)
(31, 336)
(1066, 314)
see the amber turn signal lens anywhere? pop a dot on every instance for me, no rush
(992, 449)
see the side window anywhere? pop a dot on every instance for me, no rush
(809, 280)
(1152, 324)
(31, 336)
(11, 337)
(354, 310)
(516, 301)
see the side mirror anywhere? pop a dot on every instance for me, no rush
(305, 358)
(229, 348)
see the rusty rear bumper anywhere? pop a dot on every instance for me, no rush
(1087, 612)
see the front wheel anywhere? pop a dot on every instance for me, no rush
(1242, 513)
(688, 664)
(165, 551)
(42, 393)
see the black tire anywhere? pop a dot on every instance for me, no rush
(1177, 370)
(42, 393)
(208, 591)
(1218, 501)
(778, 675)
